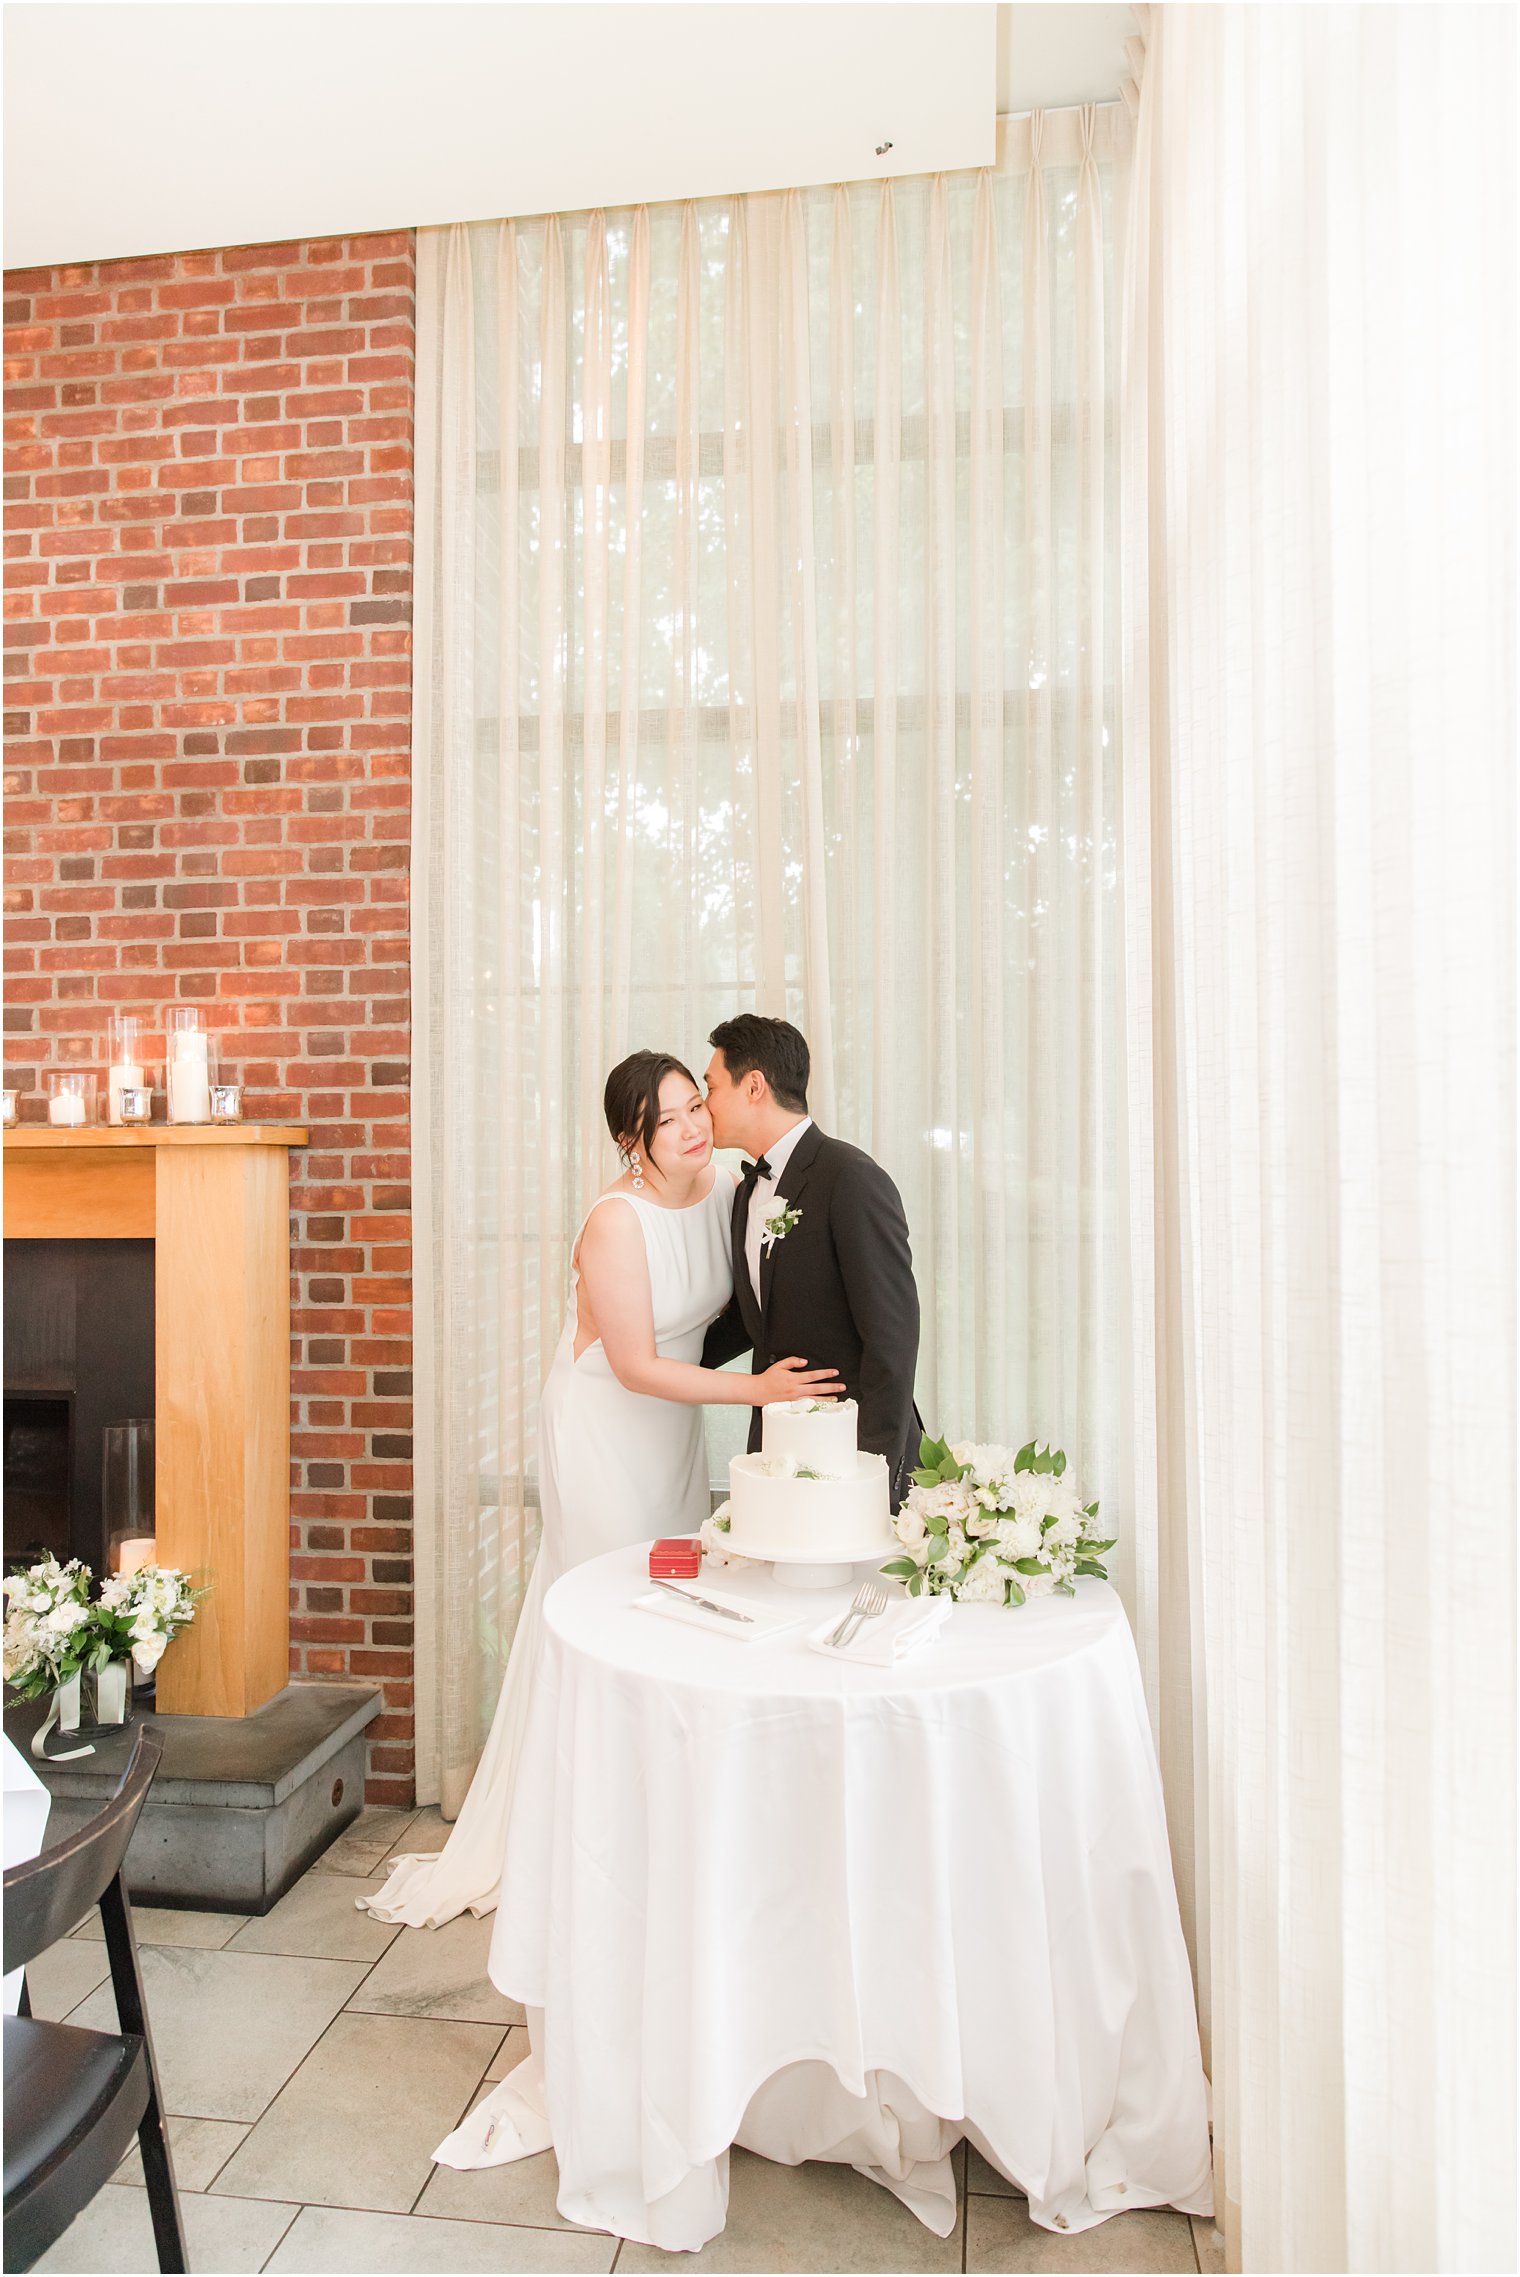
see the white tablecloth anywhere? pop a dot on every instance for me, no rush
(938, 1898)
(27, 1803)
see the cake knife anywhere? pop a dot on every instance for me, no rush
(708, 1604)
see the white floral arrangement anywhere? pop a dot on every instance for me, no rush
(145, 1611)
(48, 1625)
(990, 1527)
(53, 1628)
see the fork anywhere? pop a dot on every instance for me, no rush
(870, 1602)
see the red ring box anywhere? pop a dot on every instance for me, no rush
(675, 1557)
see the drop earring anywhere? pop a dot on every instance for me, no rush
(637, 1168)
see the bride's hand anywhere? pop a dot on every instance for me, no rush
(794, 1379)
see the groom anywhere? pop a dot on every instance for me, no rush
(835, 1284)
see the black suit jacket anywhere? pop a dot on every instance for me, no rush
(838, 1289)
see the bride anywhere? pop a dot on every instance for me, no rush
(620, 1449)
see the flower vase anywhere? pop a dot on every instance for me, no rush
(112, 1686)
(64, 1711)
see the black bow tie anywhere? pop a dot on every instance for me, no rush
(754, 1170)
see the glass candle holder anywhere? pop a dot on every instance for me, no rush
(70, 1097)
(7, 1106)
(226, 1102)
(126, 1039)
(191, 1066)
(127, 1497)
(136, 1104)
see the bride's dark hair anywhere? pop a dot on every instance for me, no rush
(631, 1100)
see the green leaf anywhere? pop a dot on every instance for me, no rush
(924, 1478)
(1064, 1589)
(1024, 1459)
(936, 1521)
(1096, 1549)
(1091, 1565)
(1047, 1522)
(903, 1568)
(932, 1452)
(949, 1470)
(1090, 1510)
(1015, 1594)
(1044, 1465)
(1028, 1565)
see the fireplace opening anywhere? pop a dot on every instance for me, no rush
(78, 1359)
(37, 1447)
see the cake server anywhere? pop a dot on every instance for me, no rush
(708, 1604)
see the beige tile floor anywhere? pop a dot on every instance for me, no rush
(312, 2059)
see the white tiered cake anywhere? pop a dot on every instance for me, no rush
(810, 1496)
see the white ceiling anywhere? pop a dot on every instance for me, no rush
(149, 126)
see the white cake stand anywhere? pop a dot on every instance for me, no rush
(801, 1569)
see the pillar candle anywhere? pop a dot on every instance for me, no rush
(189, 1078)
(66, 1109)
(127, 1077)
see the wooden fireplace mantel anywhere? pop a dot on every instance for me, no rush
(214, 1200)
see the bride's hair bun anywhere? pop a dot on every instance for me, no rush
(631, 1100)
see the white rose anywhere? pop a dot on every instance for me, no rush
(66, 1617)
(147, 1652)
(953, 1500)
(909, 1525)
(985, 1584)
(1037, 1584)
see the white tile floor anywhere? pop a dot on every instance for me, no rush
(312, 2059)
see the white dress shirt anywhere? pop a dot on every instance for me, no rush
(762, 1196)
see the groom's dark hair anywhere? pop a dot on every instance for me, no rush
(774, 1046)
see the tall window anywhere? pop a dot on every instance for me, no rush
(768, 661)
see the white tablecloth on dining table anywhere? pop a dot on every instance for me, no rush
(27, 1803)
(826, 1910)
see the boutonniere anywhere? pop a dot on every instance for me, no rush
(777, 1223)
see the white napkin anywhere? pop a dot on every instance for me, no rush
(881, 1643)
(763, 1621)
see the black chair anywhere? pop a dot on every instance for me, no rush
(74, 2099)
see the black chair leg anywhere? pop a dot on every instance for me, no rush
(163, 2199)
(153, 2134)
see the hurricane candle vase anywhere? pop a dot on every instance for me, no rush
(8, 1106)
(226, 1102)
(127, 1494)
(190, 1066)
(127, 1062)
(70, 1097)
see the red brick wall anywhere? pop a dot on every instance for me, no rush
(208, 591)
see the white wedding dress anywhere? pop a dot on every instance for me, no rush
(614, 1467)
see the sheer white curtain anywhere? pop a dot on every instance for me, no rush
(767, 658)
(1319, 403)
